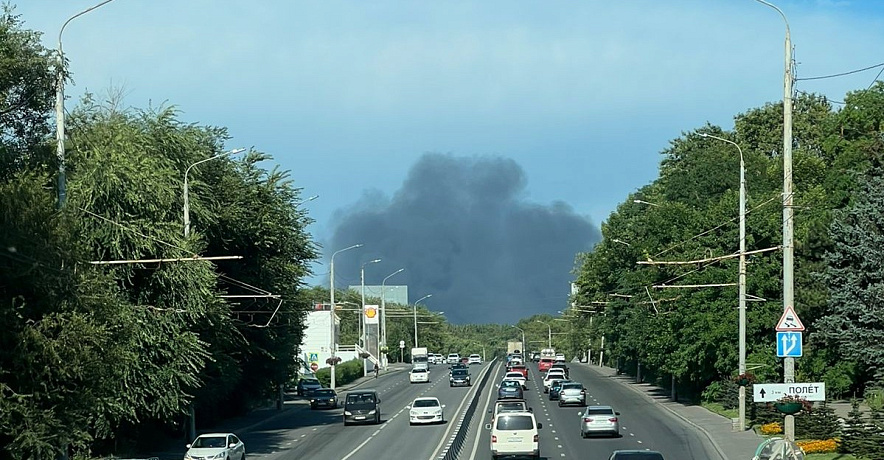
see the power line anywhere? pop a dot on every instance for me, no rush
(843, 73)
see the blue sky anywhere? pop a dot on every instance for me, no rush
(583, 95)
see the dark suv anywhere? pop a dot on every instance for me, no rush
(459, 377)
(362, 406)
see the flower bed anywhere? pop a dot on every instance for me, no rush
(769, 429)
(818, 446)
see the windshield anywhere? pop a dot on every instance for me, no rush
(572, 386)
(599, 411)
(309, 382)
(510, 407)
(426, 403)
(324, 392)
(459, 373)
(515, 422)
(357, 399)
(517, 375)
(418, 370)
(209, 442)
(509, 383)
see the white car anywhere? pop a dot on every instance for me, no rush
(553, 374)
(515, 433)
(560, 357)
(425, 410)
(453, 358)
(475, 359)
(216, 446)
(419, 375)
(518, 377)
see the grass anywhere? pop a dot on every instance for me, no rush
(720, 410)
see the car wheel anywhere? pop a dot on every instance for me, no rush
(582, 434)
(560, 403)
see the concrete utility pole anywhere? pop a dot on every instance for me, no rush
(549, 336)
(524, 345)
(788, 222)
(741, 275)
(59, 109)
(331, 317)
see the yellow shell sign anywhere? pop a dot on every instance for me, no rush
(371, 314)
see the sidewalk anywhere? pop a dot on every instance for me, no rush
(730, 444)
(174, 448)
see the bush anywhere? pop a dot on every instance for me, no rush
(345, 373)
(818, 423)
(725, 392)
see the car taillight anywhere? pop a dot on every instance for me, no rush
(612, 419)
(493, 438)
(583, 392)
(587, 419)
(536, 438)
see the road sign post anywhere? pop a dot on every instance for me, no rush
(788, 344)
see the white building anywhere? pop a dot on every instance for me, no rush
(315, 348)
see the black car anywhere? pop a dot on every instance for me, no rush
(459, 377)
(307, 385)
(554, 387)
(324, 397)
(458, 366)
(510, 389)
(362, 406)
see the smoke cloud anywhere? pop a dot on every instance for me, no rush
(464, 232)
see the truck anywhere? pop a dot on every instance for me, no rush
(419, 358)
(513, 346)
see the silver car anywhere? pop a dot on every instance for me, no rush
(599, 419)
(572, 393)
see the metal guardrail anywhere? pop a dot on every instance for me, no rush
(457, 442)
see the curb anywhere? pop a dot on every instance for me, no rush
(718, 449)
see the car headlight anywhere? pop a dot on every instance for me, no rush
(347, 413)
(312, 401)
(332, 400)
(187, 457)
(413, 414)
(218, 455)
(371, 412)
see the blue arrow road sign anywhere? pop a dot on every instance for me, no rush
(789, 344)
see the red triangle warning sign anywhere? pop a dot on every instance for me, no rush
(789, 321)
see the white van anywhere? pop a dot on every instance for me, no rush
(515, 433)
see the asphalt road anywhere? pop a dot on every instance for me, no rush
(643, 424)
(321, 434)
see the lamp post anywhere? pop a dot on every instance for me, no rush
(59, 108)
(382, 338)
(523, 338)
(788, 222)
(187, 193)
(362, 315)
(415, 316)
(645, 202)
(549, 337)
(741, 274)
(331, 318)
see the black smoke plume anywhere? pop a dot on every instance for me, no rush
(465, 234)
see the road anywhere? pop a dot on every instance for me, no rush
(320, 434)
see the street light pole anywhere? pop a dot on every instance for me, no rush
(549, 337)
(331, 318)
(523, 339)
(741, 274)
(788, 222)
(415, 317)
(382, 337)
(59, 108)
(186, 190)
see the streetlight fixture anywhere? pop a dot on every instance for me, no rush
(331, 318)
(382, 337)
(186, 192)
(59, 110)
(415, 316)
(741, 274)
(306, 200)
(617, 240)
(788, 213)
(549, 337)
(645, 202)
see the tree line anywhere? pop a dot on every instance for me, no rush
(690, 212)
(114, 325)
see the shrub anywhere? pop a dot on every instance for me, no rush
(820, 422)
(345, 373)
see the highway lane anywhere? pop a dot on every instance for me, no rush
(644, 425)
(321, 434)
